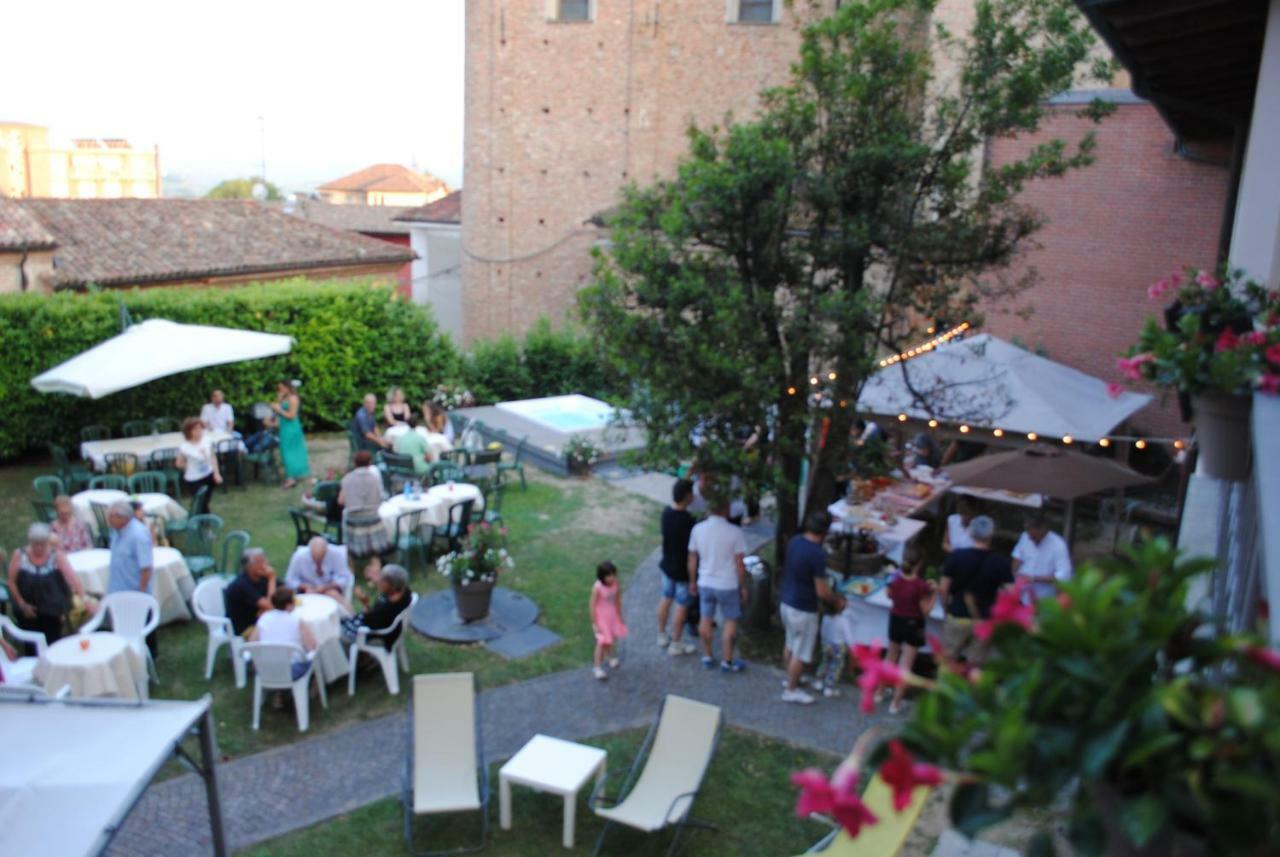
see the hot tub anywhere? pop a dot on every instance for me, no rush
(566, 414)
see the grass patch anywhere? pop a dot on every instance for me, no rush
(746, 794)
(559, 530)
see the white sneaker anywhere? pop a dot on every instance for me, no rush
(664, 640)
(802, 681)
(599, 673)
(896, 707)
(797, 696)
(678, 648)
(614, 663)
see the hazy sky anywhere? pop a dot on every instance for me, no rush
(341, 84)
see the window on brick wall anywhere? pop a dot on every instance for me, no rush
(571, 10)
(755, 11)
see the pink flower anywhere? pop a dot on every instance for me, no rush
(1273, 354)
(875, 672)
(902, 773)
(1207, 280)
(1114, 390)
(1270, 383)
(1008, 610)
(1064, 601)
(1227, 341)
(1255, 337)
(1157, 289)
(836, 797)
(1263, 657)
(1130, 367)
(1175, 279)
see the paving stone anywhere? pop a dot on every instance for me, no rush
(523, 643)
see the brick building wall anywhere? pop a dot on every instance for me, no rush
(1139, 212)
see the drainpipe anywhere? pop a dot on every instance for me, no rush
(1233, 192)
(22, 270)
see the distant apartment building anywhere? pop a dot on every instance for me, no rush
(384, 184)
(86, 168)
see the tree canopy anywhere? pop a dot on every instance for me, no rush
(759, 286)
(243, 189)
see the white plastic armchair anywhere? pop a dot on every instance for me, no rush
(134, 616)
(19, 672)
(273, 670)
(370, 641)
(211, 609)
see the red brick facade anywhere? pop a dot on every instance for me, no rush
(1139, 212)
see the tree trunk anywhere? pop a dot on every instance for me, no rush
(787, 494)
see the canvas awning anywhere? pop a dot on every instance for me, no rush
(71, 771)
(986, 382)
(153, 349)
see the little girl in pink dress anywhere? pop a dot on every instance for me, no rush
(606, 616)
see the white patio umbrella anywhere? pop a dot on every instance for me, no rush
(153, 349)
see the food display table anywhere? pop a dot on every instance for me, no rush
(172, 587)
(323, 618)
(552, 765)
(866, 620)
(160, 505)
(893, 537)
(96, 451)
(97, 664)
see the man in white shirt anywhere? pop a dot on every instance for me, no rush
(718, 577)
(217, 415)
(320, 568)
(957, 535)
(1041, 557)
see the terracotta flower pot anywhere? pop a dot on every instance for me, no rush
(1222, 434)
(472, 600)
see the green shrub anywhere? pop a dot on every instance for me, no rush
(351, 338)
(495, 371)
(548, 363)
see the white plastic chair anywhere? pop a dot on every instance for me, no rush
(134, 615)
(273, 670)
(20, 672)
(386, 657)
(211, 609)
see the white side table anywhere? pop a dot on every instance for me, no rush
(552, 765)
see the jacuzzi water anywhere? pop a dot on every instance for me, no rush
(564, 413)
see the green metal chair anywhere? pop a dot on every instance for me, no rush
(454, 529)
(137, 428)
(45, 513)
(440, 472)
(123, 463)
(302, 529)
(409, 538)
(199, 505)
(198, 544)
(95, 432)
(165, 425)
(230, 452)
(112, 481)
(353, 442)
(327, 492)
(399, 470)
(516, 465)
(148, 482)
(492, 512)
(48, 487)
(74, 476)
(234, 544)
(103, 538)
(268, 459)
(162, 461)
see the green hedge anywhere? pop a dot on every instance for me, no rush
(548, 363)
(351, 338)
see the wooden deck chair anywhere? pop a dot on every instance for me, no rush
(444, 769)
(679, 746)
(883, 839)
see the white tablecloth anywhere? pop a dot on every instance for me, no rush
(173, 581)
(893, 538)
(95, 451)
(436, 443)
(869, 619)
(323, 617)
(108, 667)
(161, 505)
(435, 502)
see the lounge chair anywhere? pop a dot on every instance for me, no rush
(883, 839)
(679, 748)
(444, 769)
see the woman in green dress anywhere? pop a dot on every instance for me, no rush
(293, 446)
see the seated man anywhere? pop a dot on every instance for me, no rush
(217, 415)
(393, 599)
(249, 595)
(365, 426)
(415, 445)
(320, 568)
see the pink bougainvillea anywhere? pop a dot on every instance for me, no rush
(902, 773)
(837, 797)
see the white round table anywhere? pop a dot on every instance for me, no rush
(161, 505)
(172, 587)
(436, 443)
(452, 493)
(433, 507)
(322, 616)
(106, 666)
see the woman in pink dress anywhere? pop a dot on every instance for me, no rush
(606, 616)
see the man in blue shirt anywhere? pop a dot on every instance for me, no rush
(131, 556)
(365, 425)
(804, 582)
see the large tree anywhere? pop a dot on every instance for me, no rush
(243, 189)
(760, 286)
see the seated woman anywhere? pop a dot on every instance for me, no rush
(42, 585)
(70, 534)
(396, 411)
(280, 625)
(393, 599)
(437, 420)
(363, 532)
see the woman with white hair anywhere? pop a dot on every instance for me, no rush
(42, 584)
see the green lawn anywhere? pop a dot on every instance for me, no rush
(559, 530)
(746, 793)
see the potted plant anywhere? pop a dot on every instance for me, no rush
(1110, 704)
(1219, 344)
(473, 569)
(580, 454)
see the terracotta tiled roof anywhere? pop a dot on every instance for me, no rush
(392, 178)
(127, 241)
(369, 219)
(20, 231)
(445, 210)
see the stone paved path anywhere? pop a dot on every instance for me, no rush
(288, 788)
